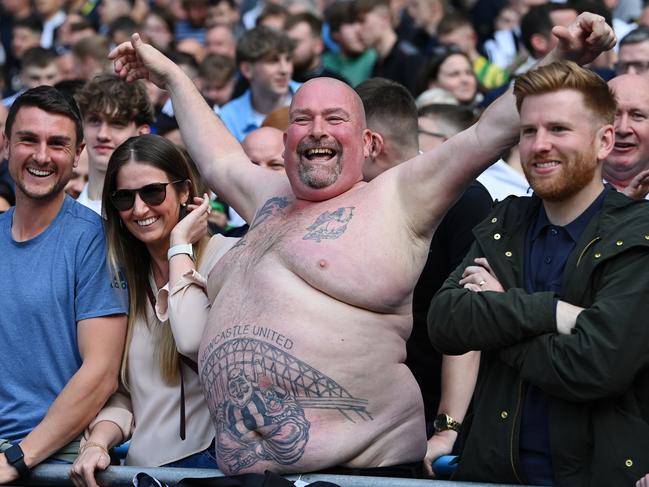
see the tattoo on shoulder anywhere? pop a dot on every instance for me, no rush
(257, 393)
(272, 207)
(330, 225)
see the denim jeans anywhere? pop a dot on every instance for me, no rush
(202, 459)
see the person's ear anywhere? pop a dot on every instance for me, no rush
(246, 69)
(144, 129)
(376, 145)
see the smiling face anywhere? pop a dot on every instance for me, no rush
(104, 133)
(561, 148)
(269, 76)
(630, 155)
(456, 75)
(42, 151)
(326, 141)
(151, 224)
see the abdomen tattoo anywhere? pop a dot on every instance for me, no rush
(257, 393)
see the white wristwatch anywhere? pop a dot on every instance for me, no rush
(181, 249)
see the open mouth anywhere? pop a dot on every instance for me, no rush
(624, 146)
(319, 153)
(148, 221)
(39, 173)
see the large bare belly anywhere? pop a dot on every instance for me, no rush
(297, 381)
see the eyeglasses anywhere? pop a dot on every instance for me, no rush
(152, 194)
(432, 134)
(623, 67)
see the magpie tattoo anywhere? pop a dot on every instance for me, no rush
(330, 225)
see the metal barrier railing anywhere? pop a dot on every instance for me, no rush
(55, 475)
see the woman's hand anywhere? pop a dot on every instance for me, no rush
(194, 226)
(93, 456)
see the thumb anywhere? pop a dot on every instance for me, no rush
(562, 33)
(136, 40)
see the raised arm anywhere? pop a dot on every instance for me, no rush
(431, 182)
(219, 156)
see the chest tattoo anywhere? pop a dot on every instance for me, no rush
(330, 225)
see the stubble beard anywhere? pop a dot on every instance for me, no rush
(319, 176)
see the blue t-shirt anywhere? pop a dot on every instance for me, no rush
(47, 285)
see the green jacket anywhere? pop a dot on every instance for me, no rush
(597, 378)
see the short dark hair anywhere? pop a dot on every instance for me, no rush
(636, 36)
(122, 24)
(314, 23)
(271, 10)
(38, 56)
(452, 21)
(217, 67)
(339, 13)
(538, 21)
(390, 107)
(362, 7)
(110, 94)
(262, 43)
(30, 22)
(48, 99)
(457, 117)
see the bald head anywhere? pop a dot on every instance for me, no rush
(265, 147)
(326, 140)
(630, 155)
(318, 86)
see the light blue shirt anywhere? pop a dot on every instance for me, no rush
(241, 118)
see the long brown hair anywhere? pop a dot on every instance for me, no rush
(128, 254)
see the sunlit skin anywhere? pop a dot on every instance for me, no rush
(325, 113)
(630, 155)
(41, 153)
(151, 224)
(561, 150)
(456, 75)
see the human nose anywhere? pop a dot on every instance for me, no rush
(285, 65)
(139, 206)
(317, 128)
(41, 154)
(103, 132)
(622, 126)
(541, 142)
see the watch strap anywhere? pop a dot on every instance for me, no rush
(443, 422)
(181, 249)
(16, 458)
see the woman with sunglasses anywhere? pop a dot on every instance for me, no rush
(148, 187)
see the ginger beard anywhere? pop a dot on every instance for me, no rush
(319, 162)
(575, 173)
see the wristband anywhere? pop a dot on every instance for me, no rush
(180, 249)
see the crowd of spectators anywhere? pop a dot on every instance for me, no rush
(424, 71)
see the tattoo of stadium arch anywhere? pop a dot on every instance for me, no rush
(257, 394)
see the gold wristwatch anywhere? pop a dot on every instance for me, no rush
(444, 422)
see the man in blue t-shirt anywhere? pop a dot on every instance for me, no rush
(63, 323)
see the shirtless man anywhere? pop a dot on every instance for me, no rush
(314, 305)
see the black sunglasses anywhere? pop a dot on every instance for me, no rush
(152, 194)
